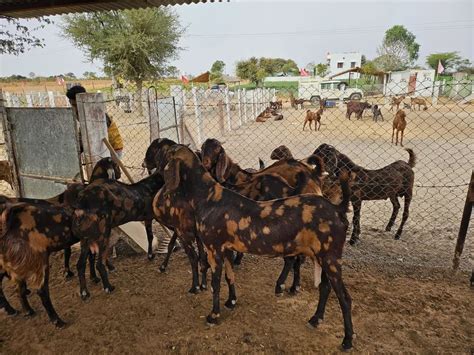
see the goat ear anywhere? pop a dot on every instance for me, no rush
(111, 173)
(171, 175)
(222, 166)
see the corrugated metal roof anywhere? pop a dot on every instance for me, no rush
(37, 8)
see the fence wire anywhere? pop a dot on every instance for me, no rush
(251, 123)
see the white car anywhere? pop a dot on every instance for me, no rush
(316, 90)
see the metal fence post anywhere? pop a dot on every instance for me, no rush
(239, 99)
(197, 116)
(51, 99)
(227, 109)
(244, 96)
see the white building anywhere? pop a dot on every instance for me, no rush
(339, 62)
(416, 82)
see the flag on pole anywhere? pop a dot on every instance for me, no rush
(440, 67)
(304, 72)
(184, 79)
(60, 80)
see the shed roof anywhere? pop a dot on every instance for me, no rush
(38, 8)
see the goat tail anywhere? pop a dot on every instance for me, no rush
(346, 192)
(412, 159)
(319, 169)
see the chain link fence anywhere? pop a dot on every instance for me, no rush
(252, 122)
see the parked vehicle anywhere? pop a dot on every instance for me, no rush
(316, 90)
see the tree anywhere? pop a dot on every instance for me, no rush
(32, 75)
(217, 70)
(321, 69)
(172, 72)
(449, 60)
(398, 51)
(135, 45)
(369, 67)
(70, 75)
(89, 75)
(247, 69)
(16, 37)
(255, 70)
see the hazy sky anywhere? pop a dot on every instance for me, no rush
(301, 30)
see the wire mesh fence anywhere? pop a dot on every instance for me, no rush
(356, 120)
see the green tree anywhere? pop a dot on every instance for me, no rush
(398, 51)
(135, 45)
(369, 67)
(321, 69)
(247, 69)
(217, 70)
(449, 60)
(89, 75)
(255, 69)
(16, 37)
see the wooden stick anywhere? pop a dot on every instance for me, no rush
(125, 170)
(466, 215)
(117, 159)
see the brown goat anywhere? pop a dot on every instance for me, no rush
(390, 182)
(399, 124)
(418, 101)
(396, 101)
(281, 152)
(356, 107)
(313, 116)
(226, 221)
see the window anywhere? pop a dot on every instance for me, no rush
(353, 64)
(340, 64)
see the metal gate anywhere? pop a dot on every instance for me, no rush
(162, 116)
(43, 148)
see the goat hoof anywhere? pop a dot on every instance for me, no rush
(397, 236)
(194, 290)
(211, 319)
(294, 290)
(346, 344)
(230, 304)
(109, 289)
(203, 287)
(30, 314)
(314, 322)
(10, 310)
(151, 256)
(59, 323)
(68, 275)
(85, 295)
(353, 241)
(162, 269)
(95, 279)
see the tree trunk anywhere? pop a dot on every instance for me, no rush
(139, 97)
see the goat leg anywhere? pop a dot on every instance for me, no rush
(193, 259)
(149, 236)
(171, 244)
(3, 300)
(396, 208)
(357, 204)
(295, 287)
(92, 271)
(345, 301)
(406, 208)
(68, 274)
(23, 293)
(81, 271)
(238, 258)
(204, 264)
(101, 260)
(215, 260)
(230, 279)
(401, 138)
(43, 292)
(280, 284)
(324, 290)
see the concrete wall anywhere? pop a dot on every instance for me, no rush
(346, 59)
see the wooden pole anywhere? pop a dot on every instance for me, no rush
(466, 216)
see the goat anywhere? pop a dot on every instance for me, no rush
(220, 165)
(418, 101)
(6, 172)
(377, 113)
(396, 101)
(399, 124)
(104, 169)
(276, 105)
(226, 221)
(313, 116)
(101, 207)
(390, 182)
(357, 108)
(280, 153)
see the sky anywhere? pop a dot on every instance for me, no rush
(304, 31)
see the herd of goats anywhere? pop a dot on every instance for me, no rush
(294, 208)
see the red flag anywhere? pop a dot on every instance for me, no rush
(440, 67)
(184, 79)
(303, 72)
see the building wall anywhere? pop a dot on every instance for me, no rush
(345, 59)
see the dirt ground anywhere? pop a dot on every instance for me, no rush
(405, 299)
